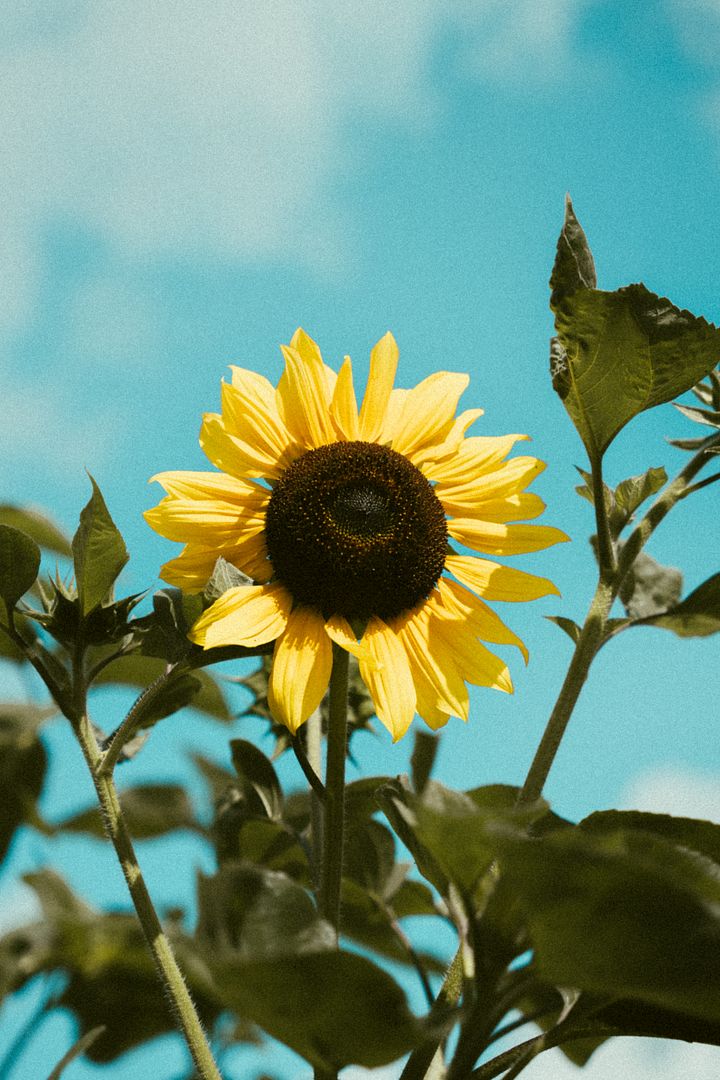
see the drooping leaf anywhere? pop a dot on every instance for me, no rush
(701, 836)
(698, 615)
(99, 552)
(37, 526)
(149, 810)
(19, 564)
(304, 1001)
(650, 587)
(622, 912)
(709, 417)
(618, 353)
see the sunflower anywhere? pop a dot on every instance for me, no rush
(342, 519)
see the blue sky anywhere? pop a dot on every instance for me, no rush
(185, 184)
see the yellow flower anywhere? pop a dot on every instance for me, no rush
(342, 517)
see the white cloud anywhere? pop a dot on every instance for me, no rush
(217, 131)
(675, 789)
(639, 1059)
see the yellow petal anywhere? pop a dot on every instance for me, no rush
(452, 437)
(476, 455)
(386, 673)
(484, 622)
(203, 520)
(383, 365)
(510, 479)
(251, 418)
(237, 456)
(427, 410)
(435, 675)
(192, 569)
(497, 582)
(303, 398)
(523, 507)
(301, 668)
(210, 485)
(246, 615)
(310, 352)
(342, 633)
(497, 539)
(476, 664)
(343, 407)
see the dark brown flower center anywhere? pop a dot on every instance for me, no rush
(356, 530)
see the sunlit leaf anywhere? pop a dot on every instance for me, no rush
(37, 526)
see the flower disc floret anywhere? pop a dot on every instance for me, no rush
(355, 529)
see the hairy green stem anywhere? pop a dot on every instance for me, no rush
(335, 790)
(122, 735)
(118, 833)
(448, 996)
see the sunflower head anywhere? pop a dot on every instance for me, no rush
(342, 518)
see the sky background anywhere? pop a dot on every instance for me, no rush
(184, 184)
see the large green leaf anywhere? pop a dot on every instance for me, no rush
(255, 771)
(37, 526)
(618, 353)
(19, 564)
(332, 1008)
(621, 912)
(701, 836)
(99, 552)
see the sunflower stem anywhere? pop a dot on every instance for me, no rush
(118, 833)
(335, 790)
(313, 753)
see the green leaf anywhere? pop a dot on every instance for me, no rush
(709, 417)
(140, 671)
(19, 564)
(570, 627)
(622, 912)
(259, 841)
(111, 977)
(23, 763)
(369, 922)
(618, 353)
(698, 615)
(99, 552)
(631, 493)
(574, 265)
(650, 587)
(332, 1008)
(255, 770)
(252, 913)
(701, 836)
(149, 810)
(35, 525)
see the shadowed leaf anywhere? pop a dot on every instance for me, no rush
(19, 564)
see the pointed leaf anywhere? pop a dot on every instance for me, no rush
(631, 493)
(574, 265)
(99, 552)
(225, 576)
(19, 564)
(570, 627)
(140, 671)
(708, 417)
(423, 758)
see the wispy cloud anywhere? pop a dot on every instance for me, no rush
(675, 789)
(217, 131)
